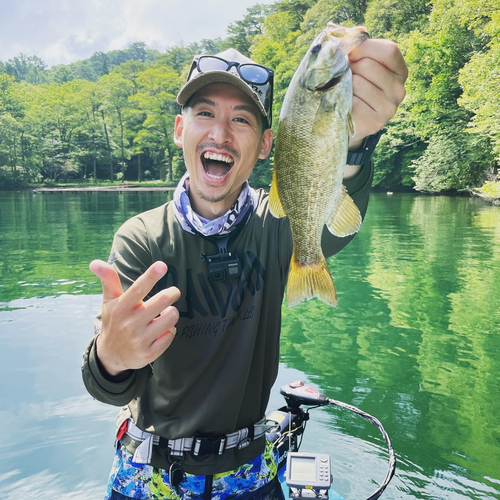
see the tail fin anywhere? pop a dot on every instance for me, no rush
(306, 282)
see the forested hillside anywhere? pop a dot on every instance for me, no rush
(111, 116)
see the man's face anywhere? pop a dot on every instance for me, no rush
(222, 138)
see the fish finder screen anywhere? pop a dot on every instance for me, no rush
(303, 469)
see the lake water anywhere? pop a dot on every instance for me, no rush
(414, 341)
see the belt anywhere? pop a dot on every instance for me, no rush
(197, 445)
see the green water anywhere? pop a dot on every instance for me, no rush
(415, 341)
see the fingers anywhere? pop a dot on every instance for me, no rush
(162, 323)
(384, 52)
(367, 71)
(157, 304)
(162, 331)
(142, 286)
(378, 75)
(111, 286)
(371, 107)
(162, 343)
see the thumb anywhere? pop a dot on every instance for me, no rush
(111, 285)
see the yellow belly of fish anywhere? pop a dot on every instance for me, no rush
(309, 275)
(308, 208)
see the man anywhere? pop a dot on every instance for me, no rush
(189, 336)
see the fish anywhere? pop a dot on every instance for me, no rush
(311, 149)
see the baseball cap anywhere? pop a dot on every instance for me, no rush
(230, 66)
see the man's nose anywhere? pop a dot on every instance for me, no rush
(221, 132)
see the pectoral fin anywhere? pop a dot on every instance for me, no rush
(346, 219)
(350, 125)
(274, 199)
(323, 118)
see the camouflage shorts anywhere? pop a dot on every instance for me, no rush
(145, 482)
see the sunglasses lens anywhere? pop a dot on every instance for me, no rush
(211, 64)
(254, 74)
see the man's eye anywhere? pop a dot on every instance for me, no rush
(205, 113)
(241, 120)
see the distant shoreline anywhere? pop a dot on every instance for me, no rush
(159, 187)
(103, 189)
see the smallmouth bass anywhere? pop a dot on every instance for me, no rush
(310, 158)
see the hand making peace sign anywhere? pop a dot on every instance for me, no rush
(134, 333)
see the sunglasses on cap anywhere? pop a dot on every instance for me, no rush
(252, 74)
(249, 72)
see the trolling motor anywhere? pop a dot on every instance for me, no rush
(308, 475)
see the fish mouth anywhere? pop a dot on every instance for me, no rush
(329, 85)
(216, 164)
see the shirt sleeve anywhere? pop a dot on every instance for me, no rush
(130, 256)
(358, 189)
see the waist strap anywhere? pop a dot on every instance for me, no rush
(198, 445)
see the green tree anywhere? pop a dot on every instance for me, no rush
(452, 158)
(26, 68)
(177, 57)
(84, 70)
(480, 80)
(393, 18)
(137, 51)
(345, 12)
(276, 48)
(59, 74)
(18, 142)
(242, 33)
(116, 90)
(130, 70)
(156, 99)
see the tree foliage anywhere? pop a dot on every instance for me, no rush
(112, 115)
(429, 146)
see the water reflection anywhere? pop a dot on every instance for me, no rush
(415, 338)
(48, 240)
(414, 341)
(52, 428)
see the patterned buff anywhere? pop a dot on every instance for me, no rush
(189, 219)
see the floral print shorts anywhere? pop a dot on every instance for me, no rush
(140, 481)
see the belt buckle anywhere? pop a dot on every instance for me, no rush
(209, 445)
(244, 443)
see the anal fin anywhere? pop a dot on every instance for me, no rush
(350, 125)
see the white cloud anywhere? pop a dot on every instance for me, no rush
(63, 31)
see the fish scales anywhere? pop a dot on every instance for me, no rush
(310, 155)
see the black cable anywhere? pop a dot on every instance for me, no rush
(379, 426)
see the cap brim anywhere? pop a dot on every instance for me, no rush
(203, 79)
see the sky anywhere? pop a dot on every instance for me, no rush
(64, 31)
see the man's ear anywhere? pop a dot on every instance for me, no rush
(267, 144)
(178, 128)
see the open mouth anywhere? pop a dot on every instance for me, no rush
(216, 165)
(330, 84)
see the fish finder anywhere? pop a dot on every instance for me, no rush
(308, 475)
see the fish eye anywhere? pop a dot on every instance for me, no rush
(316, 48)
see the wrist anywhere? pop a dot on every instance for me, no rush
(362, 154)
(107, 368)
(355, 143)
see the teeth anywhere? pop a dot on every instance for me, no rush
(214, 156)
(215, 176)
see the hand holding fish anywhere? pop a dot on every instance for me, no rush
(378, 76)
(346, 83)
